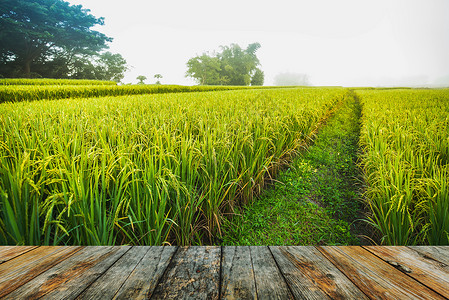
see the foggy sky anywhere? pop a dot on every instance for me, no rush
(346, 42)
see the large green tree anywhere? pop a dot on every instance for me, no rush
(109, 66)
(104, 66)
(232, 66)
(258, 77)
(205, 69)
(40, 34)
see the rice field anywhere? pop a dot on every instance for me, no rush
(101, 164)
(148, 169)
(50, 81)
(405, 142)
(48, 90)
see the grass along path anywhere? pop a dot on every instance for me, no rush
(315, 200)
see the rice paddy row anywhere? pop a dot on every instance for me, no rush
(51, 81)
(405, 141)
(315, 201)
(18, 93)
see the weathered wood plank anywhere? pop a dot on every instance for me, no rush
(311, 276)
(9, 252)
(269, 281)
(69, 278)
(247, 272)
(106, 286)
(143, 279)
(431, 273)
(237, 276)
(192, 273)
(376, 278)
(438, 253)
(22, 269)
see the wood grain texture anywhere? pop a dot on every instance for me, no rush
(106, 286)
(418, 272)
(142, 281)
(10, 252)
(438, 253)
(24, 268)
(193, 273)
(69, 278)
(237, 276)
(431, 273)
(375, 277)
(269, 281)
(311, 276)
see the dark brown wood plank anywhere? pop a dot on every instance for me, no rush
(106, 286)
(22, 269)
(192, 273)
(143, 279)
(438, 253)
(9, 252)
(237, 276)
(375, 277)
(431, 273)
(69, 278)
(311, 276)
(269, 281)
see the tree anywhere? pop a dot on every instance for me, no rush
(141, 79)
(205, 69)
(111, 67)
(45, 30)
(239, 65)
(104, 66)
(258, 77)
(158, 76)
(232, 66)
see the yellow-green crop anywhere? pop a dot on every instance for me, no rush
(51, 81)
(144, 169)
(17, 93)
(405, 138)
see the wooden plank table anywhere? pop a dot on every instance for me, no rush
(213, 272)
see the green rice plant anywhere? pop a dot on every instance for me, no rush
(19, 195)
(28, 92)
(436, 203)
(51, 81)
(144, 169)
(405, 142)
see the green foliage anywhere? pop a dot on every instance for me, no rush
(258, 77)
(206, 70)
(405, 162)
(17, 93)
(141, 79)
(158, 76)
(49, 81)
(314, 200)
(232, 66)
(53, 39)
(146, 169)
(105, 66)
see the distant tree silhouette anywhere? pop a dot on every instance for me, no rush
(232, 66)
(141, 79)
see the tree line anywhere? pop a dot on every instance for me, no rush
(231, 66)
(53, 39)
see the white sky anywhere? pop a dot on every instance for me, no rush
(345, 42)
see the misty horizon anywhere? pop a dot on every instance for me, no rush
(345, 43)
